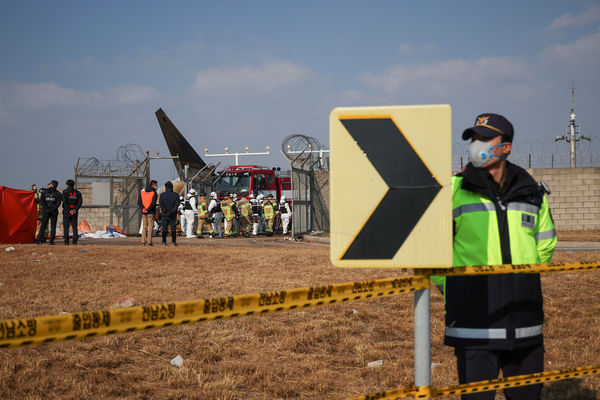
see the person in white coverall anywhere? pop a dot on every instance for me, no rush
(214, 207)
(180, 209)
(286, 213)
(190, 210)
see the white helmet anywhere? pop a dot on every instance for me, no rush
(180, 197)
(283, 198)
(251, 195)
(213, 195)
(234, 196)
(193, 191)
(260, 197)
(188, 195)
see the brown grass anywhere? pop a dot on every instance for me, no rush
(313, 353)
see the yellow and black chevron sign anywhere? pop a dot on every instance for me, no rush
(390, 174)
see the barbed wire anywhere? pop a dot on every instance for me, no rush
(125, 163)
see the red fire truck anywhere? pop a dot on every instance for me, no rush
(246, 179)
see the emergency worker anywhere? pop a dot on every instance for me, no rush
(236, 219)
(228, 208)
(285, 212)
(147, 204)
(190, 211)
(261, 217)
(203, 217)
(501, 216)
(245, 210)
(37, 198)
(181, 211)
(71, 202)
(214, 207)
(270, 210)
(50, 201)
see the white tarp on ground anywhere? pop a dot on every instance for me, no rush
(102, 235)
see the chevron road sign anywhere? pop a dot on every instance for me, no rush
(390, 174)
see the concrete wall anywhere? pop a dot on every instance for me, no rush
(98, 216)
(574, 201)
(575, 197)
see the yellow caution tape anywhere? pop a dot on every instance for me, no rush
(424, 392)
(514, 269)
(46, 329)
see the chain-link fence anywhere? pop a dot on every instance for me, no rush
(537, 154)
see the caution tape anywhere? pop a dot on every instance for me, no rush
(515, 269)
(424, 392)
(47, 329)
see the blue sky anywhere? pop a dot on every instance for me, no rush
(79, 79)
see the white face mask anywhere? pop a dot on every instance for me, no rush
(480, 153)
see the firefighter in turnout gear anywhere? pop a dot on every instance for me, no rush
(203, 217)
(37, 196)
(270, 211)
(50, 201)
(228, 207)
(245, 210)
(501, 216)
(71, 202)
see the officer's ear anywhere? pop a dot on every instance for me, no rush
(507, 148)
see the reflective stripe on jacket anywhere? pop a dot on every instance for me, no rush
(228, 212)
(500, 312)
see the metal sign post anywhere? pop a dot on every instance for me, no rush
(422, 312)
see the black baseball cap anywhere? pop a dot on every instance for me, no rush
(54, 182)
(490, 125)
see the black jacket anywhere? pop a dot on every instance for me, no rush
(71, 200)
(517, 298)
(169, 203)
(50, 201)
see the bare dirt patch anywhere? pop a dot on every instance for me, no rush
(578, 236)
(313, 353)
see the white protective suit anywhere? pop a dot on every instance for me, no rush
(190, 217)
(286, 213)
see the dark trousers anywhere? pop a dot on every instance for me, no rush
(53, 219)
(70, 220)
(481, 365)
(166, 222)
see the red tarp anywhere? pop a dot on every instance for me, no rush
(18, 216)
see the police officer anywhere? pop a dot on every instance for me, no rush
(71, 202)
(501, 216)
(50, 201)
(214, 207)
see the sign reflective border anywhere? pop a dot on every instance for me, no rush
(390, 173)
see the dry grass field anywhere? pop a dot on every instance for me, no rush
(316, 353)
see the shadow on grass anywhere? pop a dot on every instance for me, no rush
(569, 389)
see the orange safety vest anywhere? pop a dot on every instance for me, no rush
(147, 198)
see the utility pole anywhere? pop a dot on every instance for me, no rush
(572, 132)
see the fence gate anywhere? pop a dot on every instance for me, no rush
(310, 184)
